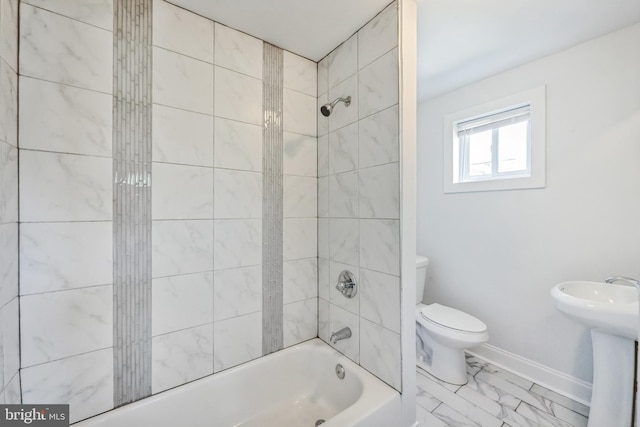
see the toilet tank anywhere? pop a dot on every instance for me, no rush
(421, 276)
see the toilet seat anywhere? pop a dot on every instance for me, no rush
(451, 318)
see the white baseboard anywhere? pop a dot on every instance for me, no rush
(566, 385)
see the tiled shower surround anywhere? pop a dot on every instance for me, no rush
(66, 205)
(209, 249)
(359, 196)
(9, 307)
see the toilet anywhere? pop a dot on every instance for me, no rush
(443, 333)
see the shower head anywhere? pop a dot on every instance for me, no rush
(326, 109)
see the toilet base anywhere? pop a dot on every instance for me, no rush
(444, 363)
(452, 371)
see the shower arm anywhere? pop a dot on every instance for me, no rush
(347, 101)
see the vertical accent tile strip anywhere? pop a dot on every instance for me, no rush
(132, 199)
(272, 214)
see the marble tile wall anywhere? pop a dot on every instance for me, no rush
(238, 285)
(300, 183)
(359, 196)
(206, 203)
(208, 198)
(66, 284)
(182, 197)
(9, 302)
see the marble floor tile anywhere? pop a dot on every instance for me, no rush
(505, 400)
(513, 419)
(426, 401)
(542, 418)
(478, 399)
(474, 364)
(426, 418)
(452, 418)
(508, 376)
(521, 393)
(562, 400)
(493, 397)
(456, 402)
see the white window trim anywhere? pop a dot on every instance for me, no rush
(536, 99)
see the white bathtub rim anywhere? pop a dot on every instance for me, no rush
(375, 393)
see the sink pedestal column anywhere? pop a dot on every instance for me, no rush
(613, 369)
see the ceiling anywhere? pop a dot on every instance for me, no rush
(463, 41)
(459, 41)
(310, 28)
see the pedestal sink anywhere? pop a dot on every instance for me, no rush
(611, 311)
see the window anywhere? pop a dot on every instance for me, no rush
(496, 146)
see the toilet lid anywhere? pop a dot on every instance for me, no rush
(452, 318)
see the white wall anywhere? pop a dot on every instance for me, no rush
(408, 22)
(496, 255)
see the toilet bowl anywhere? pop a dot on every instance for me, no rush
(443, 333)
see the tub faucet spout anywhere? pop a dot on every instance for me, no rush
(342, 334)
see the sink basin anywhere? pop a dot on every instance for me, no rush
(611, 311)
(612, 308)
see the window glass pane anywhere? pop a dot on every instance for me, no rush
(496, 145)
(480, 153)
(512, 148)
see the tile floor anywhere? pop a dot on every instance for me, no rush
(493, 397)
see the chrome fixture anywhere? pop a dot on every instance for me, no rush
(347, 284)
(326, 109)
(628, 280)
(342, 334)
(340, 371)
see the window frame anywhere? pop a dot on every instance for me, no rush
(510, 116)
(454, 179)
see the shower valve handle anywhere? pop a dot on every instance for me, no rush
(347, 284)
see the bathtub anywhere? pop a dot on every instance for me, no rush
(295, 387)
